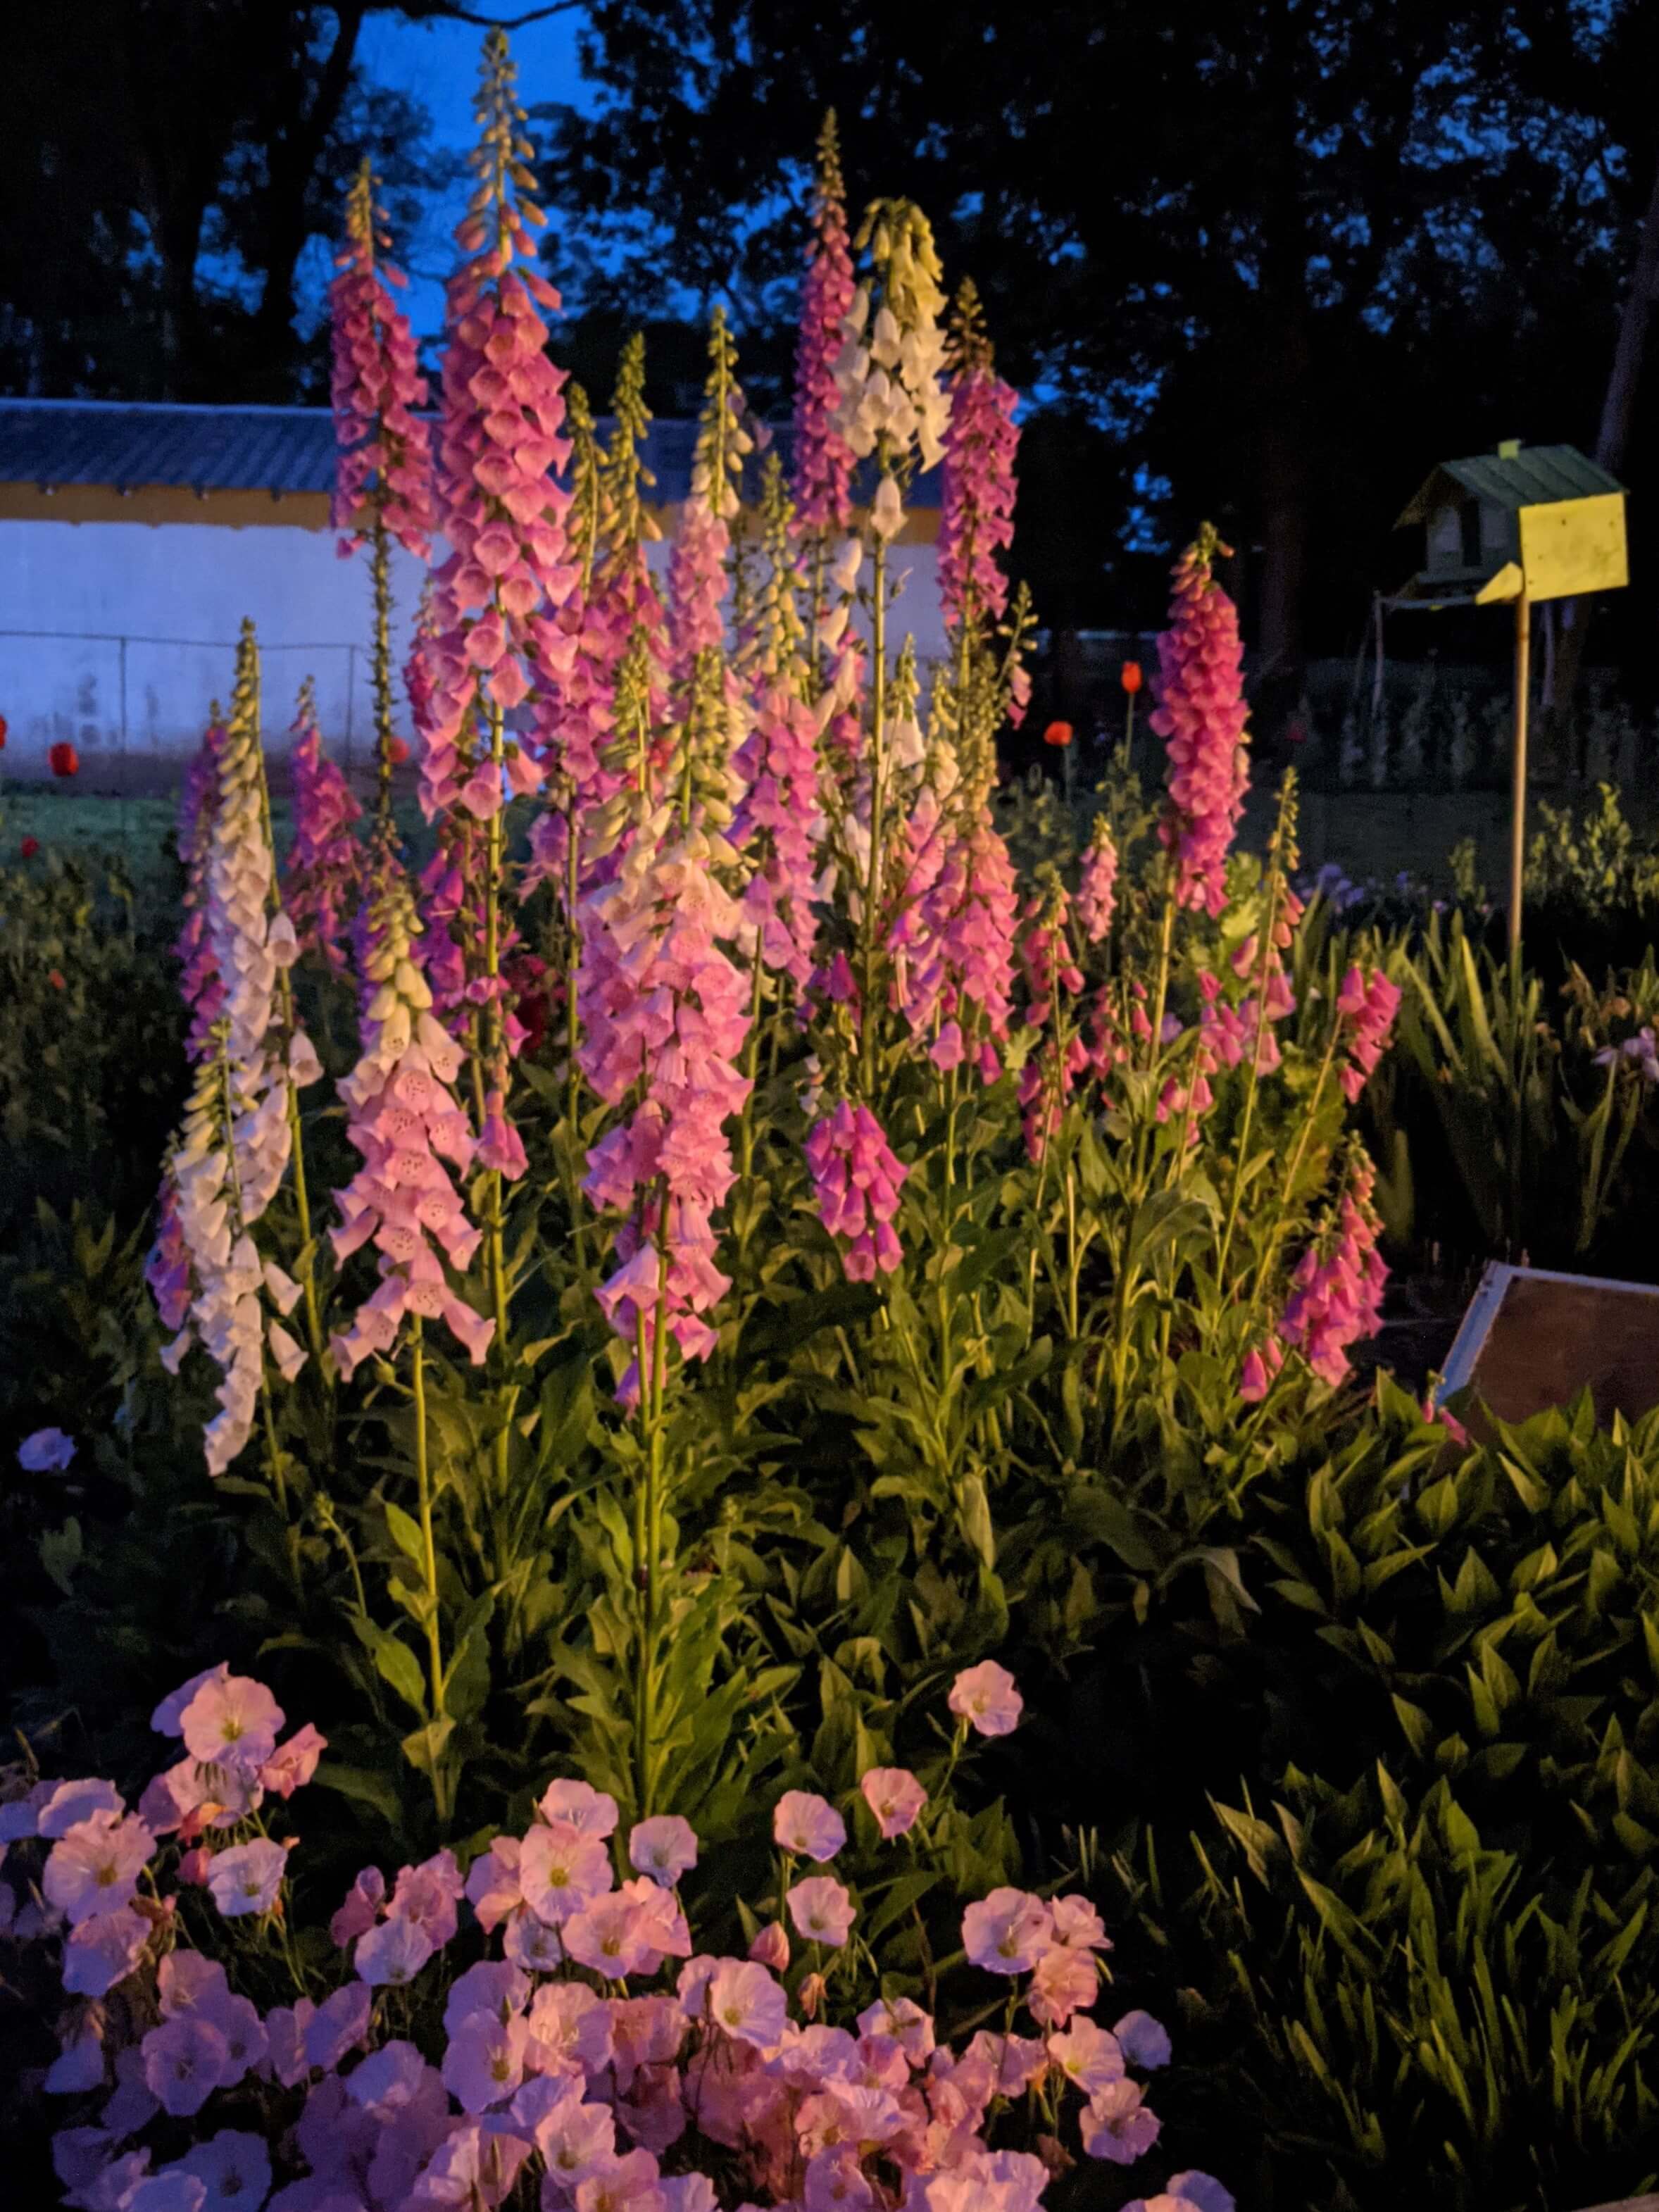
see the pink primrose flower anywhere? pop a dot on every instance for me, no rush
(895, 1797)
(821, 1909)
(986, 1698)
(1007, 1932)
(808, 1826)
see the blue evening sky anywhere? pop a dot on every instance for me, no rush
(437, 64)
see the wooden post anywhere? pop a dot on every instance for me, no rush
(1518, 775)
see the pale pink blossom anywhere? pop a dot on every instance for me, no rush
(234, 2168)
(590, 1812)
(560, 1870)
(293, 1763)
(745, 2003)
(807, 1826)
(247, 1878)
(64, 1805)
(1088, 2055)
(1117, 2125)
(665, 1848)
(821, 1909)
(104, 1950)
(232, 1721)
(770, 1947)
(484, 2063)
(1007, 1932)
(1065, 1980)
(93, 1867)
(392, 1953)
(1077, 1923)
(895, 1797)
(986, 1698)
(185, 2060)
(168, 1718)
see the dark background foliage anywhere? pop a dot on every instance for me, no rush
(1262, 262)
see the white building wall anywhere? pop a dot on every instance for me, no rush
(117, 636)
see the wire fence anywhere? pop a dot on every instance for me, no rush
(137, 703)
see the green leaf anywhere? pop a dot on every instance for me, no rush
(405, 1534)
(394, 1661)
(60, 1553)
(364, 1786)
(973, 1519)
(424, 1748)
(1097, 1515)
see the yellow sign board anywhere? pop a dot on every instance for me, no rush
(1573, 545)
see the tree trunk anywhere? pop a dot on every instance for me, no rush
(294, 161)
(1612, 442)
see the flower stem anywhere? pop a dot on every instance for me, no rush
(381, 572)
(428, 1548)
(494, 1049)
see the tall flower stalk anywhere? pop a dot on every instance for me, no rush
(322, 875)
(894, 412)
(383, 478)
(502, 513)
(822, 459)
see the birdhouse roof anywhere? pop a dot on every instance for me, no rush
(1535, 476)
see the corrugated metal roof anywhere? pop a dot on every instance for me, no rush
(274, 449)
(82, 442)
(1531, 477)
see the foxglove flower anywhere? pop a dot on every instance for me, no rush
(1366, 1004)
(977, 494)
(383, 475)
(893, 402)
(1201, 716)
(1336, 1292)
(857, 1178)
(823, 468)
(780, 825)
(1096, 894)
(664, 1014)
(500, 508)
(407, 1122)
(325, 863)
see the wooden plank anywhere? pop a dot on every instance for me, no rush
(1534, 1338)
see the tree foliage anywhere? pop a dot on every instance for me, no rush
(1289, 253)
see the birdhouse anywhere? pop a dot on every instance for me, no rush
(1540, 520)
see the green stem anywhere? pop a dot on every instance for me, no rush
(435, 1651)
(1253, 1080)
(647, 1542)
(496, 1074)
(381, 571)
(878, 805)
(572, 1034)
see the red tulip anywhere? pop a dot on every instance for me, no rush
(29, 847)
(62, 759)
(1132, 679)
(55, 977)
(397, 752)
(1057, 733)
(4, 725)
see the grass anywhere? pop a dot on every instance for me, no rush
(86, 825)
